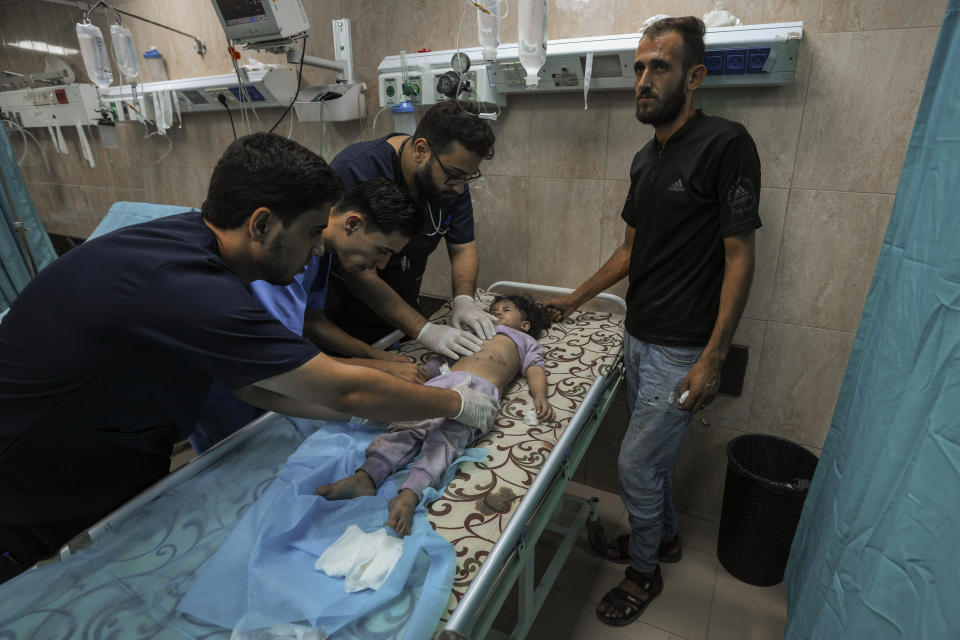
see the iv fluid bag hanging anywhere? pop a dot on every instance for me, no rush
(488, 28)
(532, 27)
(125, 52)
(94, 52)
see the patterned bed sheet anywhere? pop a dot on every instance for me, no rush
(480, 500)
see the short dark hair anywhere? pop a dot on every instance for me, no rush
(532, 311)
(384, 206)
(692, 30)
(454, 121)
(268, 170)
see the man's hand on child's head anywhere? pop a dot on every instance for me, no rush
(558, 309)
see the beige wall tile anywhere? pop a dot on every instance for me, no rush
(772, 116)
(177, 186)
(502, 221)
(800, 373)
(773, 211)
(564, 239)
(871, 15)
(580, 18)
(42, 199)
(565, 140)
(600, 461)
(734, 411)
(831, 241)
(69, 213)
(855, 128)
(512, 129)
(753, 12)
(698, 474)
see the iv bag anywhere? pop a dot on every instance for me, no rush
(124, 51)
(532, 27)
(488, 28)
(94, 52)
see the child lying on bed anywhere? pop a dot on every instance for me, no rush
(513, 350)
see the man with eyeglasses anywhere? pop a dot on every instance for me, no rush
(435, 165)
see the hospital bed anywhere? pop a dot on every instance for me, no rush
(493, 512)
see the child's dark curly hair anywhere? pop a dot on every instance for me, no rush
(532, 311)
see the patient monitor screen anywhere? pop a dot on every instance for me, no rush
(236, 12)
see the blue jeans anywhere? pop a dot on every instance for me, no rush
(650, 446)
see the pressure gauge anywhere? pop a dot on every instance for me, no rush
(460, 62)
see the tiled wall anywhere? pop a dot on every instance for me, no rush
(832, 145)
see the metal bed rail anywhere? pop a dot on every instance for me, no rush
(526, 525)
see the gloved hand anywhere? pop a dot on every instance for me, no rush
(477, 409)
(468, 315)
(448, 341)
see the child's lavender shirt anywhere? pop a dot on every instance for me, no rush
(529, 350)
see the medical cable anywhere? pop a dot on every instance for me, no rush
(223, 100)
(373, 128)
(303, 53)
(24, 134)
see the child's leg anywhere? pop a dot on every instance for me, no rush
(385, 454)
(441, 446)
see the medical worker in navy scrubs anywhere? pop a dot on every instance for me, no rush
(107, 355)
(435, 165)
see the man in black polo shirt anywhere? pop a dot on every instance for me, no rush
(107, 355)
(689, 251)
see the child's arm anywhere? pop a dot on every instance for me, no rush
(537, 381)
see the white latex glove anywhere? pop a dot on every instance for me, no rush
(468, 315)
(448, 341)
(477, 409)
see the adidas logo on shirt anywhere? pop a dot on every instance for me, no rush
(677, 186)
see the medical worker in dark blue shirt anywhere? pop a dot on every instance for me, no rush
(688, 250)
(107, 355)
(435, 165)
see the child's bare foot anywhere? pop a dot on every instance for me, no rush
(401, 511)
(359, 484)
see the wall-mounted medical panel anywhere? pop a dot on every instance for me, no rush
(741, 56)
(264, 88)
(57, 105)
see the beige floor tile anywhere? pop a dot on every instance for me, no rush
(698, 534)
(744, 612)
(588, 627)
(684, 606)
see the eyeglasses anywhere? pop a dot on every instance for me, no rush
(455, 176)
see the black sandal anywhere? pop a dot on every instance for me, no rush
(618, 550)
(625, 603)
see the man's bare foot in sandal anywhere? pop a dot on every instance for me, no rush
(624, 604)
(401, 511)
(359, 484)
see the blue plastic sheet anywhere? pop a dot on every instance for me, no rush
(875, 555)
(264, 574)
(123, 214)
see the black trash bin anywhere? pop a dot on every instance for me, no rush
(767, 481)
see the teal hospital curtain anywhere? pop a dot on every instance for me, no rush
(15, 203)
(876, 555)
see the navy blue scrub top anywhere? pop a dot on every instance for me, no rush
(404, 272)
(105, 359)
